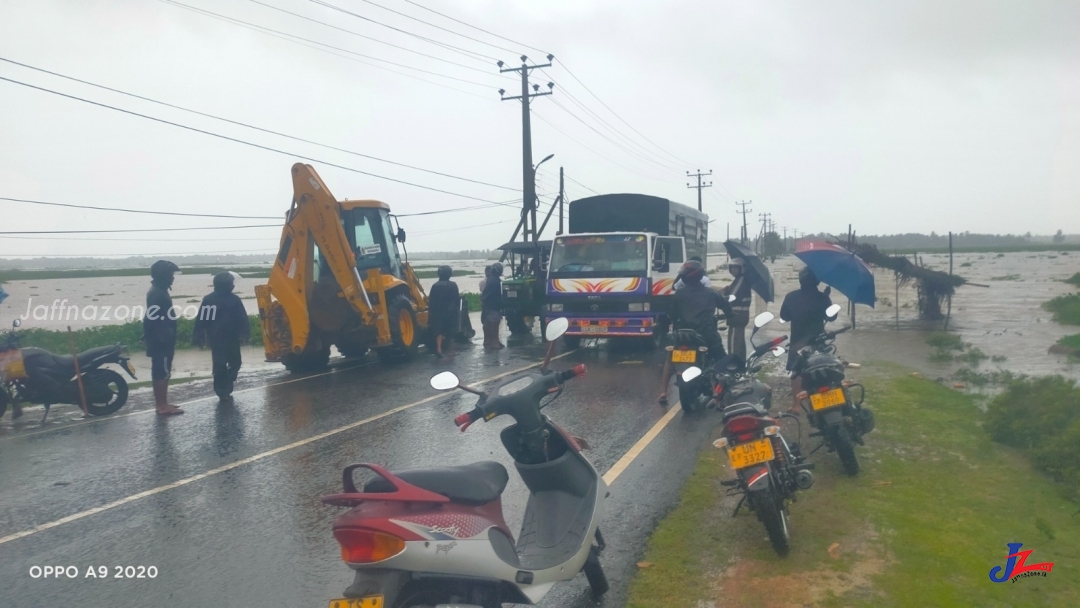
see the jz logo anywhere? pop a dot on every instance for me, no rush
(1016, 567)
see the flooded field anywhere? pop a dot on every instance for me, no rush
(1004, 319)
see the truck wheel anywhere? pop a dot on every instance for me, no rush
(404, 332)
(307, 362)
(515, 321)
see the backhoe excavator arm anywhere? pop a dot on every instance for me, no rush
(315, 218)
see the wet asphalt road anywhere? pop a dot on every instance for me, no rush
(244, 527)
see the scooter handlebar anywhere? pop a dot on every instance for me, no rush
(573, 372)
(465, 420)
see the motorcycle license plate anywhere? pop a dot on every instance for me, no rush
(510, 293)
(833, 398)
(746, 454)
(12, 366)
(369, 601)
(683, 356)
(594, 329)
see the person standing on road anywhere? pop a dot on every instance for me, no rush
(491, 308)
(444, 303)
(223, 325)
(695, 308)
(805, 309)
(159, 333)
(740, 288)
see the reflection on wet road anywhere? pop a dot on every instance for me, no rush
(224, 501)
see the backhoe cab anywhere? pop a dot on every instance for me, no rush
(339, 280)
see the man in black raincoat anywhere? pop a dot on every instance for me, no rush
(223, 325)
(159, 333)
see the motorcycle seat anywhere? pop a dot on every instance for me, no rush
(472, 484)
(37, 358)
(744, 409)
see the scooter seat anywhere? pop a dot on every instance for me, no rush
(472, 484)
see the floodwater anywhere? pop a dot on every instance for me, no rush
(1004, 319)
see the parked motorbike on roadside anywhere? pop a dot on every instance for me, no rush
(437, 537)
(34, 375)
(833, 404)
(689, 349)
(768, 469)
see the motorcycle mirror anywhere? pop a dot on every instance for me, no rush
(16, 323)
(555, 329)
(445, 381)
(833, 310)
(763, 318)
(691, 373)
(731, 298)
(778, 351)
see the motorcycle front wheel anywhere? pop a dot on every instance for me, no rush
(106, 391)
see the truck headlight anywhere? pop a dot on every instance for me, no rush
(555, 307)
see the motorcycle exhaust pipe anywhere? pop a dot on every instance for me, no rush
(804, 480)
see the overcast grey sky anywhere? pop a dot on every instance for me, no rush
(893, 116)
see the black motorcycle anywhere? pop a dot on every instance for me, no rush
(34, 375)
(768, 470)
(833, 404)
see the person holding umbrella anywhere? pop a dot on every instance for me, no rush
(743, 292)
(805, 309)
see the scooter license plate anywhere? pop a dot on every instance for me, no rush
(368, 601)
(823, 401)
(683, 356)
(746, 454)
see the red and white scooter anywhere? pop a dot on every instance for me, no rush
(437, 537)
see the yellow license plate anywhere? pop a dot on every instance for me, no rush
(371, 601)
(683, 356)
(746, 454)
(833, 398)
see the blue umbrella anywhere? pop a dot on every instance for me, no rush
(839, 268)
(3, 295)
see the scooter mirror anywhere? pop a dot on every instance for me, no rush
(833, 310)
(555, 329)
(691, 373)
(445, 381)
(16, 323)
(778, 351)
(763, 318)
(731, 298)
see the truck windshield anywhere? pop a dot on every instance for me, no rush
(593, 256)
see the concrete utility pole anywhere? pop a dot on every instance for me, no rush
(743, 210)
(699, 185)
(528, 172)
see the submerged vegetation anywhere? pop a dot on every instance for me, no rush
(1066, 309)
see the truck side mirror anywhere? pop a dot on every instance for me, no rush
(401, 235)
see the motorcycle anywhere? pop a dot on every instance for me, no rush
(437, 536)
(687, 349)
(829, 399)
(34, 375)
(768, 469)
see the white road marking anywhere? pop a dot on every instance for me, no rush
(628, 458)
(242, 462)
(83, 422)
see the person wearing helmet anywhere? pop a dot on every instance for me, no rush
(444, 304)
(491, 307)
(704, 278)
(159, 333)
(805, 309)
(223, 325)
(695, 308)
(740, 288)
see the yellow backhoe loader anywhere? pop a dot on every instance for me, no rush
(338, 280)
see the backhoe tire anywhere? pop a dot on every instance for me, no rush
(352, 351)
(307, 362)
(404, 332)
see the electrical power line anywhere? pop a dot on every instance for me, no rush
(475, 28)
(439, 27)
(248, 143)
(449, 47)
(139, 229)
(133, 255)
(622, 147)
(571, 138)
(174, 213)
(250, 126)
(581, 184)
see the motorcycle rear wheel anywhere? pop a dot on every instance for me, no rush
(106, 391)
(845, 449)
(771, 513)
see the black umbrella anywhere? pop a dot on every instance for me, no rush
(762, 279)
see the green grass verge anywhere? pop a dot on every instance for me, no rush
(923, 524)
(473, 299)
(129, 334)
(993, 249)
(1066, 309)
(1073, 280)
(1072, 341)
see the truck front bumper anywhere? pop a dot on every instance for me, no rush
(640, 325)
